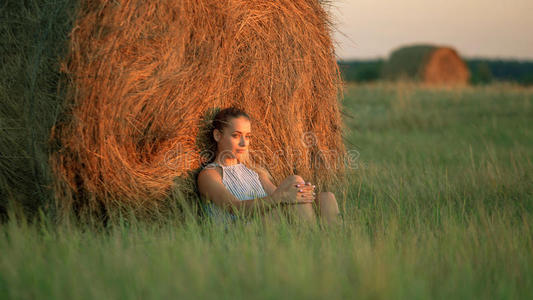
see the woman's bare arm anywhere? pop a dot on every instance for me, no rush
(210, 185)
(267, 184)
(270, 188)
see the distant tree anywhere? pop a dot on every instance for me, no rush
(361, 70)
(501, 70)
(482, 74)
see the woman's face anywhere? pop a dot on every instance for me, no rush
(234, 139)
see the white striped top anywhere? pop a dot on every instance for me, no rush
(242, 182)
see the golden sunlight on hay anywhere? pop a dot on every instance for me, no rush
(142, 76)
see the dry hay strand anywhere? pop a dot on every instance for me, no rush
(445, 67)
(142, 75)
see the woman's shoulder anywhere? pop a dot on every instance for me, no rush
(212, 165)
(210, 170)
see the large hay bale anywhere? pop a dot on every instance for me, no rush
(142, 75)
(427, 64)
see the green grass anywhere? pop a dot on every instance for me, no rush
(439, 206)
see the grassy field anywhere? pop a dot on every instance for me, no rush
(439, 206)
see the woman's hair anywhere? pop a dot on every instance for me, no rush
(222, 118)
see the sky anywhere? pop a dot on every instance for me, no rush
(475, 28)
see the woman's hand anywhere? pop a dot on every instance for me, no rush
(293, 190)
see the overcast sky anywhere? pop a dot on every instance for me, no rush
(476, 28)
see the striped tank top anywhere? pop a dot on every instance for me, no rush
(242, 182)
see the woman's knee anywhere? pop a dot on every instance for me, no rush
(295, 178)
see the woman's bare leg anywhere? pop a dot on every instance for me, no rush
(328, 208)
(299, 212)
(274, 216)
(304, 212)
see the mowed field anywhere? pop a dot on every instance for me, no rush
(439, 205)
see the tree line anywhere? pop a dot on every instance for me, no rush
(482, 71)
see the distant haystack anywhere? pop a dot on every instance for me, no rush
(143, 75)
(428, 64)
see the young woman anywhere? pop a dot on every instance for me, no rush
(235, 189)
